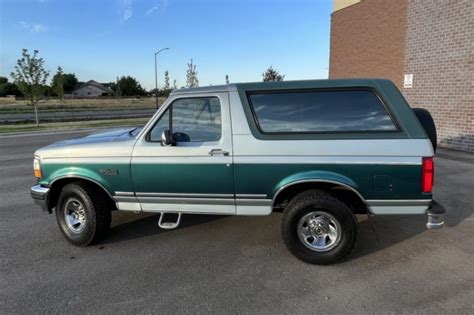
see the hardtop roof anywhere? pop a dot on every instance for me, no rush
(297, 84)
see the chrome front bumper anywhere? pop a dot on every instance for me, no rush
(40, 197)
(435, 216)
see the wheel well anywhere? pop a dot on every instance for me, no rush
(57, 186)
(352, 199)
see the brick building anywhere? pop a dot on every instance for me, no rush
(426, 47)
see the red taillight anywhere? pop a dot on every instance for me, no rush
(427, 175)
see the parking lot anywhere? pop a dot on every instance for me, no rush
(214, 264)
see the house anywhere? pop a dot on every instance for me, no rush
(92, 89)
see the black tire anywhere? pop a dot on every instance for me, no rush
(309, 202)
(93, 208)
(428, 124)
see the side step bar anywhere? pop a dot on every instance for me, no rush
(168, 225)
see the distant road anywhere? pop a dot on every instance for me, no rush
(78, 115)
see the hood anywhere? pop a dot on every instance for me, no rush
(115, 142)
(104, 136)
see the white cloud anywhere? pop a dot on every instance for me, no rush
(160, 5)
(35, 28)
(151, 10)
(126, 11)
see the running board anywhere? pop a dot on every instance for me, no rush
(168, 225)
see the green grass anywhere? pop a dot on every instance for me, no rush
(12, 106)
(15, 128)
(29, 109)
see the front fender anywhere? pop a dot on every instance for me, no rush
(77, 172)
(315, 176)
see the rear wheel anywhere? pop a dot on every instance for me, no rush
(319, 228)
(82, 214)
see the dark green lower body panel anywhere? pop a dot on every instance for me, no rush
(372, 181)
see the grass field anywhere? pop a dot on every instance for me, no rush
(72, 125)
(11, 106)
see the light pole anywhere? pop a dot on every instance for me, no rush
(156, 77)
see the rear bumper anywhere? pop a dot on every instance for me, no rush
(435, 215)
(40, 197)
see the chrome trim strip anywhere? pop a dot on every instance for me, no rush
(391, 210)
(251, 196)
(399, 202)
(124, 193)
(125, 199)
(196, 201)
(185, 195)
(253, 202)
(315, 181)
(319, 159)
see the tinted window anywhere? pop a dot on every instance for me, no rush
(193, 119)
(324, 111)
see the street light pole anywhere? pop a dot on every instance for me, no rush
(156, 77)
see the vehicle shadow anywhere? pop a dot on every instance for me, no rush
(377, 233)
(128, 226)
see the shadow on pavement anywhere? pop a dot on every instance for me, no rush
(128, 226)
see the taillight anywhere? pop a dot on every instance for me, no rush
(427, 175)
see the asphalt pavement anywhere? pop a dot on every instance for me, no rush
(223, 264)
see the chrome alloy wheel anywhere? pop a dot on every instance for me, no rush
(75, 215)
(319, 231)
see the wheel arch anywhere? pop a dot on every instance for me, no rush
(58, 183)
(342, 188)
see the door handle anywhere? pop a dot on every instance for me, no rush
(218, 152)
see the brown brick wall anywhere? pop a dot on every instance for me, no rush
(368, 40)
(440, 55)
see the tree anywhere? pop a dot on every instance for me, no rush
(8, 88)
(272, 75)
(175, 86)
(129, 86)
(70, 82)
(166, 89)
(57, 84)
(167, 81)
(226, 79)
(30, 77)
(191, 75)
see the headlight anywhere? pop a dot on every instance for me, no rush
(37, 167)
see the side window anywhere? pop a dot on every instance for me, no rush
(192, 120)
(161, 125)
(320, 111)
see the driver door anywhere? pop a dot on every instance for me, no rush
(195, 174)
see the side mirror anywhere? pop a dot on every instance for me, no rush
(167, 138)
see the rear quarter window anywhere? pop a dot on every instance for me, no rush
(320, 112)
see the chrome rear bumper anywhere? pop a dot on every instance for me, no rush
(435, 216)
(40, 197)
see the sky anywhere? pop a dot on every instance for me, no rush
(104, 39)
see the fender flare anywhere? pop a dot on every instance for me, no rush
(316, 177)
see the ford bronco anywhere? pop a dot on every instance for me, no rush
(319, 151)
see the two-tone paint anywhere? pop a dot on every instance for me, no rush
(384, 170)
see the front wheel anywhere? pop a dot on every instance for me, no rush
(319, 228)
(82, 215)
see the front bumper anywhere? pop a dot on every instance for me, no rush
(435, 216)
(40, 197)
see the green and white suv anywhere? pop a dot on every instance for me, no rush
(319, 151)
